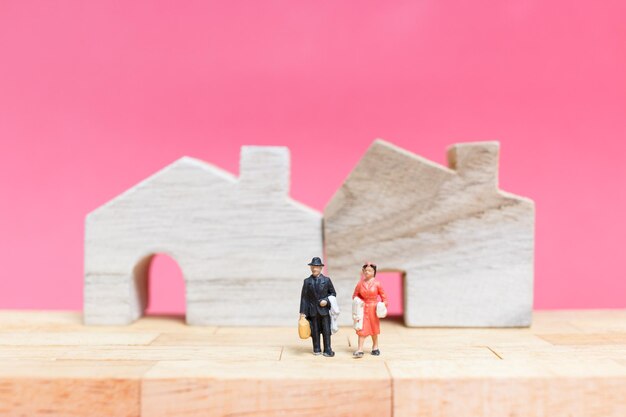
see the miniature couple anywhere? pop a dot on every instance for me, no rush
(318, 304)
(315, 306)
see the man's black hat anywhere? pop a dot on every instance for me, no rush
(316, 262)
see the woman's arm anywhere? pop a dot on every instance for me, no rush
(381, 292)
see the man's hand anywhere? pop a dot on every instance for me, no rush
(323, 303)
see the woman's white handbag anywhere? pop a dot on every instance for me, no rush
(381, 310)
(357, 313)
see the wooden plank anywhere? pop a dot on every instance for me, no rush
(491, 388)
(585, 339)
(34, 319)
(159, 366)
(295, 388)
(143, 353)
(75, 338)
(71, 388)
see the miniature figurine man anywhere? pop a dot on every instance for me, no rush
(315, 306)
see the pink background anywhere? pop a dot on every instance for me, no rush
(95, 96)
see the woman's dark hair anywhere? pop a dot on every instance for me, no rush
(370, 264)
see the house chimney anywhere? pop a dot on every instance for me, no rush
(476, 161)
(265, 169)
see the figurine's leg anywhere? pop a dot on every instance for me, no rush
(326, 333)
(315, 333)
(374, 341)
(361, 343)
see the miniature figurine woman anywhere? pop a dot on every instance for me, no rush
(369, 289)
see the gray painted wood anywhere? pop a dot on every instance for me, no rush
(466, 248)
(242, 243)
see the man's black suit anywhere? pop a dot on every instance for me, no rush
(314, 290)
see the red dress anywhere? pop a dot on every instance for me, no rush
(368, 291)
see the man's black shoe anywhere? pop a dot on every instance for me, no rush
(329, 353)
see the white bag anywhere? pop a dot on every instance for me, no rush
(381, 310)
(357, 313)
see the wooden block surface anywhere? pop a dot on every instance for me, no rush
(559, 386)
(40, 387)
(290, 387)
(569, 363)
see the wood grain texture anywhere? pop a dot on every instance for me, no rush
(567, 364)
(466, 248)
(73, 388)
(242, 243)
(513, 387)
(285, 388)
